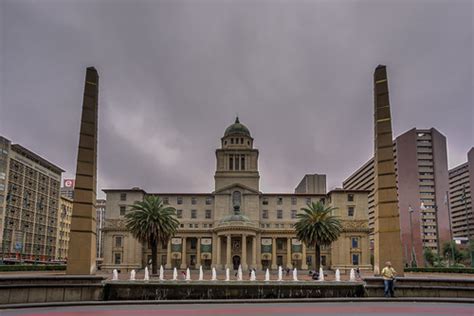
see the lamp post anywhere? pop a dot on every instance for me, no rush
(446, 201)
(413, 254)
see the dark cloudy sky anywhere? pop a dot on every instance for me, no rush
(173, 75)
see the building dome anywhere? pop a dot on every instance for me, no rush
(237, 129)
(235, 218)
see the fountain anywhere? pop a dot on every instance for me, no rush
(253, 277)
(214, 274)
(175, 274)
(162, 273)
(147, 275)
(132, 275)
(227, 274)
(115, 275)
(321, 274)
(338, 275)
(201, 276)
(280, 273)
(239, 273)
(267, 275)
(352, 276)
(295, 275)
(188, 275)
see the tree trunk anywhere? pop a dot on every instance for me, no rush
(154, 257)
(317, 260)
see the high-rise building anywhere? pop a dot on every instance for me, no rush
(64, 228)
(461, 180)
(312, 183)
(31, 204)
(422, 183)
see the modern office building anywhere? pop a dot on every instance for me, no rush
(30, 206)
(312, 183)
(64, 228)
(461, 180)
(237, 223)
(422, 185)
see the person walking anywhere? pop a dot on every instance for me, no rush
(388, 274)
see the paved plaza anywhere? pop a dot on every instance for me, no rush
(340, 308)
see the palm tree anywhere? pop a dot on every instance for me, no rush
(151, 222)
(316, 226)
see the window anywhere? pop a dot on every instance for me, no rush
(241, 140)
(193, 200)
(279, 200)
(179, 213)
(208, 214)
(237, 162)
(350, 197)
(231, 163)
(323, 260)
(181, 225)
(231, 140)
(355, 259)
(279, 214)
(350, 211)
(179, 200)
(355, 242)
(123, 196)
(322, 200)
(118, 241)
(242, 162)
(293, 200)
(293, 214)
(193, 213)
(208, 200)
(265, 214)
(308, 200)
(265, 201)
(122, 210)
(193, 243)
(210, 225)
(279, 243)
(166, 201)
(117, 258)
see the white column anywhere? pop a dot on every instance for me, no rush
(198, 252)
(168, 256)
(274, 256)
(218, 253)
(244, 252)
(228, 263)
(184, 265)
(254, 252)
(288, 253)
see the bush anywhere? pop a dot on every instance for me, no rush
(442, 270)
(26, 267)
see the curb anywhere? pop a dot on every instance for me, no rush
(237, 301)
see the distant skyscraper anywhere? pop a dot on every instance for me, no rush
(421, 168)
(461, 182)
(312, 184)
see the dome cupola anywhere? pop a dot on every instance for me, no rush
(237, 129)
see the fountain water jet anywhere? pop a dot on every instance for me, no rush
(253, 277)
(352, 276)
(162, 273)
(321, 274)
(267, 275)
(132, 275)
(239, 273)
(201, 275)
(338, 275)
(115, 275)
(147, 275)
(175, 274)
(214, 274)
(227, 274)
(188, 275)
(280, 273)
(295, 275)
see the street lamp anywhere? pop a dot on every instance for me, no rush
(413, 254)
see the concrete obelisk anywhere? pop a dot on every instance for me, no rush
(388, 246)
(82, 242)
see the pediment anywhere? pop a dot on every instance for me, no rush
(228, 189)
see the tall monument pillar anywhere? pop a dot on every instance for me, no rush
(388, 246)
(82, 242)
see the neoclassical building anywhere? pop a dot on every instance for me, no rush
(237, 223)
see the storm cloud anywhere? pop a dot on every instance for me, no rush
(174, 74)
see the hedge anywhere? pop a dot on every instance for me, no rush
(441, 270)
(24, 267)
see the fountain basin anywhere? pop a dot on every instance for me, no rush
(172, 290)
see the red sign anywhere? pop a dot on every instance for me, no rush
(69, 183)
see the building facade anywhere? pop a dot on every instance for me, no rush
(422, 184)
(461, 180)
(312, 183)
(64, 228)
(100, 217)
(236, 224)
(30, 206)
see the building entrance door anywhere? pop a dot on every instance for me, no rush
(236, 262)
